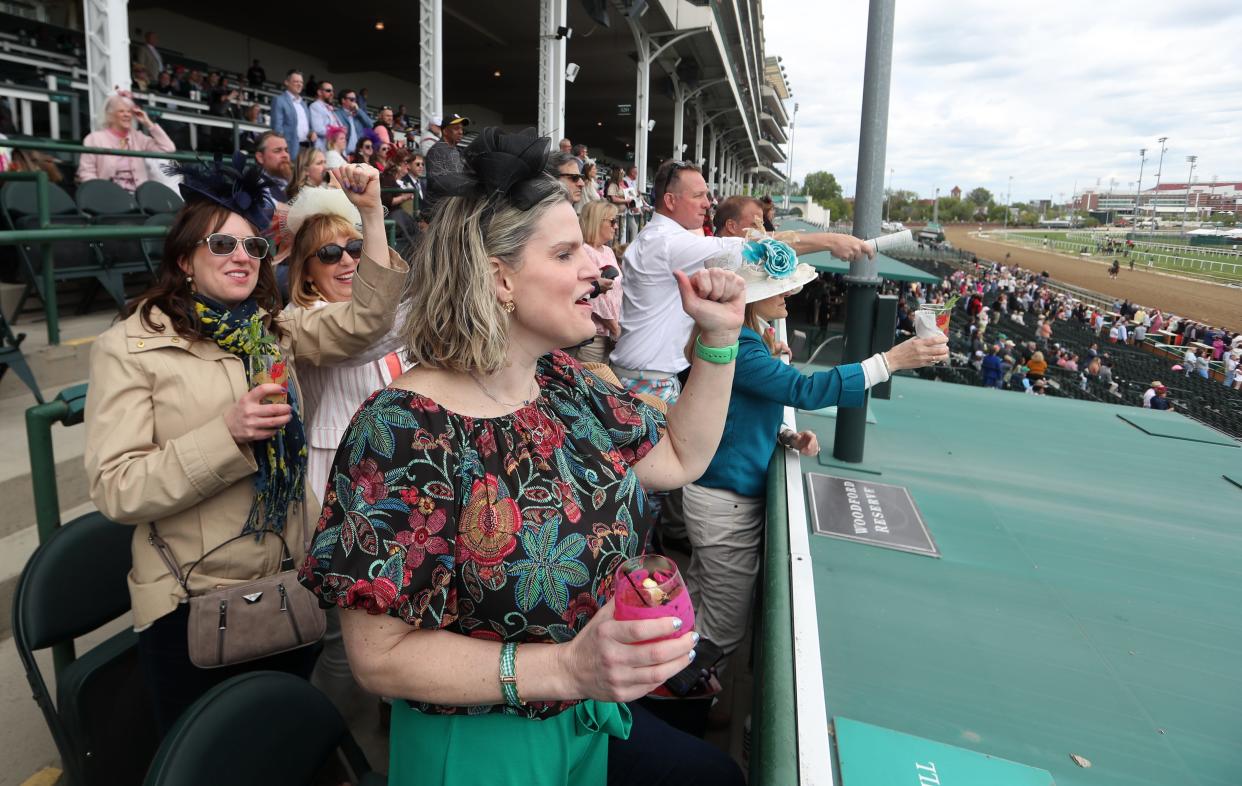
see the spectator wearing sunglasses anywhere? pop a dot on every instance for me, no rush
(566, 169)
(322, 114)
(598, 221)
(178, 435)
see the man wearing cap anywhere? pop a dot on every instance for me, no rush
(443, 158)
(1158, 401)
(432, 136)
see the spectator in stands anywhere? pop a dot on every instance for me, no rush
(352, 118)
(272, 155)
(1190, 360)
(444, 158)
(769, 214)
(309, 170)
(590, 190)
(148, 54)
(337, 152)
(322, 114)
(118, 133)
(401, 119)
(566, 146)
(173, 450)
(365, 150)
(381, 157)
(1158, 399)
(398, 167)
(1151, 392)
(494, 292)
(224, 105)
(194, 85)
(362, 100)
(1037, 366)
(580, 153)
(1231, 366)
(255, 75)
(416, 178)
(289, 116)
(1203, 366)
(598, 221)
(991, 369)
(636, 203)
(138, 75)
(164, 84)
(27, 160)
(564, 167)
(724, 508)
(250, 139)
(432, 136)
(383, 125)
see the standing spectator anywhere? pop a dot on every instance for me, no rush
(272, 155)
(432, 136)
(337, 151)
(590, 189)
(118, 133)
(614, 192)
(255, 75)
(1231, 366)
(1203, 366)
(354, 120)
(566, 146)
(322, 114)
(599, 228)
(1037, 367)
(383, 125)
(636, 205)
(362, 100)
(178, 440)
(1190, 360)
(580, 153)
(149, 55)
(564, 168)
(991, 369)
(289, 116)
(444, 159)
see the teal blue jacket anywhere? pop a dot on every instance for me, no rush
(762, 387)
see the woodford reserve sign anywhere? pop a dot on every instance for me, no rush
(880, 514)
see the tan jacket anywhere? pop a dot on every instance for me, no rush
(157, 447)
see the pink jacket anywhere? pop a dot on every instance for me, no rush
(128, 172)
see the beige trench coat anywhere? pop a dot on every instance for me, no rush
(157, 448)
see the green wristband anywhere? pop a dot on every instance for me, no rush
(508, 677)
(719, 355)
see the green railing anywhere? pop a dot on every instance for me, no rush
(68, 409)
(774, 730)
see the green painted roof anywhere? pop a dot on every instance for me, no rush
(1088, 598)
(887, 266)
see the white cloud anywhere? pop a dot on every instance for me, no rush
(1053, 95)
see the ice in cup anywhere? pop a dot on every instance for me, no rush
(650, 587)
(930, 319)
(270, 370)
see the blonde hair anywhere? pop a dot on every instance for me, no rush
(750, 320)
(316, 232)
(453, 319)
(114, 104)
(591, 217)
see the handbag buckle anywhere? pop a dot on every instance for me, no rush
(253, 597)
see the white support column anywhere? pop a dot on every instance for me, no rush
(679, 118)
(107, 53)
(713, 180)
(699, 121)
(430, 61)
(552, 14)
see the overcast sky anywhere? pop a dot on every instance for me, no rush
(1050, 93)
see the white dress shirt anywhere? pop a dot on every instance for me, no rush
(654, 328)
(299, 109)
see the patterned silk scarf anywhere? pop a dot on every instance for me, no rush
(282, 457)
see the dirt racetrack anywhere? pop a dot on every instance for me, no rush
(1211, 304)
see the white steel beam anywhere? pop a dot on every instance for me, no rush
(552, 14)
(107, 53)
(430, 61)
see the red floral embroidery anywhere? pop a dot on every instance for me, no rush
(376, 597)
(487, 530)
(421, 538)
(368, 476)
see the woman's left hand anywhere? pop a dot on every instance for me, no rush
(361, 185)
(716, 300)
(143, 119)
(806, 443)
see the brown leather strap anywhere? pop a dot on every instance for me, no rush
(165, 551)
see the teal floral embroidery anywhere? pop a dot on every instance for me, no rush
(550, 568)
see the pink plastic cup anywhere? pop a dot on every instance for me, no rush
(650, 587)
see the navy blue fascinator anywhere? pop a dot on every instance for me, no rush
(503, 165)
(239, 186)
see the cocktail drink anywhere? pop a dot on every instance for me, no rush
(270, 370)
(930, 319)
(650, 587)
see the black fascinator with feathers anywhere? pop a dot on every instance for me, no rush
(239, 186)
(505, 165)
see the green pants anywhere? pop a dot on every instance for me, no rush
(569, 749)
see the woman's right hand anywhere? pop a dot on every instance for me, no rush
(604, 662)
(250, 420)
(918, 352)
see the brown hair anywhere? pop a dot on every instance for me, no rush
(315, 233)
(301, 171)
(731, 210)
(750, 320)
(666, 178)
(170, 292)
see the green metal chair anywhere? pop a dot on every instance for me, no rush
(74, 583)
(154, 198)
(264, 728)
(11, 357)
(107, 204)
(153, 247)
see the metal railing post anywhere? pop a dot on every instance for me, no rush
(52, 311)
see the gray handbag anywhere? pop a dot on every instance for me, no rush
(245, 622)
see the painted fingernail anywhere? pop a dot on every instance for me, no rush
(695, 640)
(676, 623)
(692, 656)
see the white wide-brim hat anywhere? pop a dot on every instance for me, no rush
(761, 286)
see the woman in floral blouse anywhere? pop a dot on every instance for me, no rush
(485, 499)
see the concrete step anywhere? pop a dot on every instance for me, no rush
(56, 366)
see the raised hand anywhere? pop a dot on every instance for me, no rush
(918, 352)
(716, 300)
(361, 185)
(849, 248)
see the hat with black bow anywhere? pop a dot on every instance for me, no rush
(503, 165)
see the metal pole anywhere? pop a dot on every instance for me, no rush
(1159, 170)
(1008, 202)
(1189, 179)
(52, 311)
(936, 207)
(862, 282)
(1138, 191)
(793, 129)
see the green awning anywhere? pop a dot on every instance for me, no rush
(887, 267)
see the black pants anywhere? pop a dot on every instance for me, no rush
(656, 754)
(175, 683)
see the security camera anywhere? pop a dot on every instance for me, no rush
(571, 72)
(650, 126)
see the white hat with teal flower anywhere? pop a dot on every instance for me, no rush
(769, 268)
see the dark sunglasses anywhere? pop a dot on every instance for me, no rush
(331, 253)
(612, 222)
(223, 245)
(575, 178)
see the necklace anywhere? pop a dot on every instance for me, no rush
(488, 393)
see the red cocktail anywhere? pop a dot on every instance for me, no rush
(650, 587)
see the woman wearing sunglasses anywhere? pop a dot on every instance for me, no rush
(179, 440)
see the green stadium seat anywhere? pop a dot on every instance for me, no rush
(154, 198)
(11, 357)
(107, 204)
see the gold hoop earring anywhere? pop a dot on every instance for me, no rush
(508, 306)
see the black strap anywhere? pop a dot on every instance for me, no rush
(165, 552)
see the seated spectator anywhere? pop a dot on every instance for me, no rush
(179, 442)
(250, 138)
(382, 156)
(309, 170)
(23, 159)
(368, 143)
(118, 133)
(398, 167)
(138, 75)
(1158, 399)
(164, 84)
(272, 155)
(337, 153)
(255, 75)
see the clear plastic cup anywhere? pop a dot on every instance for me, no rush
(650, 587)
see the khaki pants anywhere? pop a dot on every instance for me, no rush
(726, 530)
(595, 352)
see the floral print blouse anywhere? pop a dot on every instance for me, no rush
(506, 529)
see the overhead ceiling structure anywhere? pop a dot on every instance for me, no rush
(491, 57)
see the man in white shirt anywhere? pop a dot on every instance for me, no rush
(289, 116)
(1150, 393)
(322, 114)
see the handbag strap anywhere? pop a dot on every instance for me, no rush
(165, 551)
